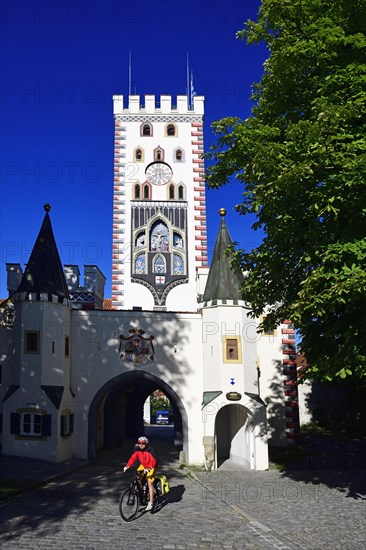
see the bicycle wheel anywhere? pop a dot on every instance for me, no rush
(129, 504)
(157, 494)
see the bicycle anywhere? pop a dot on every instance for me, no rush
(132, 499)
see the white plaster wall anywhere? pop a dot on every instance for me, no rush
(56, 324)
(30, 447)
(272, 384)
(219, 322)
(95, 361)
(304, 391)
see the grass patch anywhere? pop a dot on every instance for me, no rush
(315, 429)
(341, 433)
(281, 458)
(12, 487)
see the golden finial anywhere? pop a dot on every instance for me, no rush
(222, 212)
(47, 207)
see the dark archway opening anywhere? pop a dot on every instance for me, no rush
(117, 414)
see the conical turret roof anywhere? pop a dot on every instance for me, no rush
(223, 282)
(43, 273)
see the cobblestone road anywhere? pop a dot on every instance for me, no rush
(218, 510)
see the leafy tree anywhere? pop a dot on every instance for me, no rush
(159, 404)
(301, 159)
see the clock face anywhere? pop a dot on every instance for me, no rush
(158, 173)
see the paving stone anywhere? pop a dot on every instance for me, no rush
(239, 510)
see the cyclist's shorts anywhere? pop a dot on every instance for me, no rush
(150, 474)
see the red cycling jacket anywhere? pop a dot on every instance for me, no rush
(146, 458)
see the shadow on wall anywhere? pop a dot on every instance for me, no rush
(276, 410)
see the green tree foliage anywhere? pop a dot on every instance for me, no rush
(301, 159)
(159, 404)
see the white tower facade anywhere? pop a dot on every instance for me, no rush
(159, 204)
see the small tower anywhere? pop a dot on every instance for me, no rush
(234, 414)
(38, 402)
(159, 205)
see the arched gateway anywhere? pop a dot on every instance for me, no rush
(233, 435)
(116, 411)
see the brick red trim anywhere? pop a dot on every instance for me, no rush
(292, 425)
(292, 403)
(291, 393)
(290, 383)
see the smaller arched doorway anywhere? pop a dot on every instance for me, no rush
(233, 435)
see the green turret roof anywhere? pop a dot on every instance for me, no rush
(223, 282)
(44, 273)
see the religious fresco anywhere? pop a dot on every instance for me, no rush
(159, 238)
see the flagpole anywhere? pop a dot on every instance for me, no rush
(188, 83)
(129, 76)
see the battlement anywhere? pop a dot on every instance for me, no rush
(159, 106)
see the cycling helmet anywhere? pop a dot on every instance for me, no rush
(143, 440)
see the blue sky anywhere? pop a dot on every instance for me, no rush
(61, 62)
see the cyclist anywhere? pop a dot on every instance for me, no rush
(146, 456)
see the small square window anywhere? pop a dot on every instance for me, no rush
(232, 349)
(267, 332)
(31, 341)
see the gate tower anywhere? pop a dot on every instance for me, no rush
(159, 204)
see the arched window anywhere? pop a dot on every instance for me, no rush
(146, 192)
(171, 192)
(158, 154)
(137, 191)
(179, 155)
(138, 154)
(146, 129)
(170, 131)
(181, 192)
